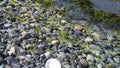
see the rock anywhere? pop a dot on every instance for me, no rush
(55, 41)
(96, 27)
(95, 47)
(103, 57)
(1, 59)
(15, 64)
(78, 27)
(21, 27)
(117, 59)
(99, 66)
(88, 39)
(47, 54)
(12, 51)
(77, 14)
(66, 66)
(110, 37)
(12, 32)
(96, 36)
(90, 57)
(2, 47)
(96, 52)
(103, 36)
(84, 63)
(7, 25)
(64, 21)
(2, 65)
(52, 63)
(62, 55)
(69, 44)
(83, 22)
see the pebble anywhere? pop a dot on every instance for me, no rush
(96, 27)
(99, 66)
(95, 47)
(1, 59)
(84, 63)
(12, 51)
(78, 27)
(55, 41)
(52, 63)
(103, 57)
(110, 37)
(90, 58)
(88, 39)
(2, 47)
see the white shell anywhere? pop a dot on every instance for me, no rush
(52, 63)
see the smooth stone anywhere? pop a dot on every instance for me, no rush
(103, 36)
(55, 41)
(2, 47)
(103, 57)
(77, 14)
(110, 37)
(15, 64)
(2, 65)
(78, 27)
(52, 63)
(117, 49)
(95, 27)
(90, 58)
(28, 57)
(95, 47)
(117, 59)
(62, 55)
(84, 63)
(96, 52)
(70, 45)
(88, 39)
(7, 25)
(47, 54)
(9, 59)
(96, 36)
(64, 21)
(83, 22)
(66, 66)
(71, 32)
(21, 27)
(1, 59)
(12, 51)
(99, 66)
(12, 32)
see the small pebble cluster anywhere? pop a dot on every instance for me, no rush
(33, 36)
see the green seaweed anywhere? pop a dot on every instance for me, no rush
(13, 2)
(97, 15)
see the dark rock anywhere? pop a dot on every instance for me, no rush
(1, 59)
(2, 47)
(103, 57)
(84, 63)
(15, 64)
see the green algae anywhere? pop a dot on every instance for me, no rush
(97, 15)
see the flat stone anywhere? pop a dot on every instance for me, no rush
(1, 59)
(55, 41)
(52, 63)
(88, 39)
(2, 47)
(78, 27)
(90, 58)
(95, 47)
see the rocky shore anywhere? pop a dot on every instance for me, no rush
(33, 36)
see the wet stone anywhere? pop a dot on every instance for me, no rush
(2, 47)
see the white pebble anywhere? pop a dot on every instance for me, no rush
(52, 63)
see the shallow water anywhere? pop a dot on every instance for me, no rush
(111, 6)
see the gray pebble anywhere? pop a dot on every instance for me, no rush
(90, 57)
